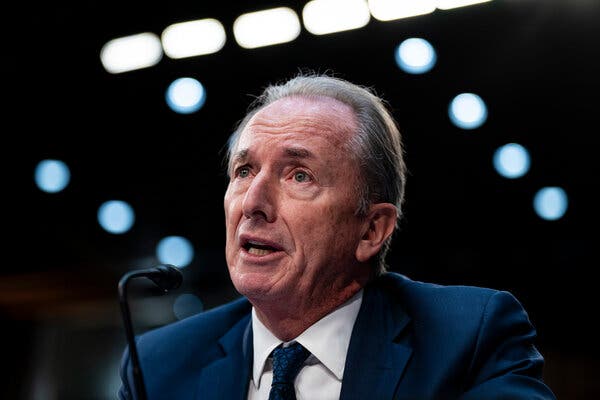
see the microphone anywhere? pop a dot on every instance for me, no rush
(166, 277)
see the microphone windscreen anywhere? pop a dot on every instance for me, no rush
(166, 276)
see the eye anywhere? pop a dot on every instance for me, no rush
(301, 176)
(242, 172)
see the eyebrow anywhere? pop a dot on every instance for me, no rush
(292, 152)
(240, 155)
(298, 152)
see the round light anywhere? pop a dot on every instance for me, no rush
(187, 305)
(52, 175)
(415, 56)
(550, 203)
(175, 250)
(116, 216)
(185, 95)
(511, 160)
(467, 111)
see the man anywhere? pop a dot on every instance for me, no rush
(316, 186)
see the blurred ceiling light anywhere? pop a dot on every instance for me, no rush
(175, 250)
(186, 305)
(266, 27)
(193, 38)
(511, 160)
(116, 216)
(129, 53)
(52, 176)
(551, 203)
(448, 4)
(467, 111)
(387, 10)
(185, 95)
(415, 56)
(328, 16)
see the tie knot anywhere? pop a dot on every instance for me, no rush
(287, 362)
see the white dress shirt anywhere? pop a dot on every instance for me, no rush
(327, 340)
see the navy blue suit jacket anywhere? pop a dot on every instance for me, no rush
(411, 340)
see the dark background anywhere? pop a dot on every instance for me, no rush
(535, 64)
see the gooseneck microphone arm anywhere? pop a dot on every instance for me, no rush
(166, 277)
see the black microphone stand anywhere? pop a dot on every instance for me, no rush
(166, 277)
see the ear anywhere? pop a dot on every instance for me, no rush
(379, 225)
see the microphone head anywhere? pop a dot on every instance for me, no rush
(166, 277)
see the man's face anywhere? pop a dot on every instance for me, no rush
(292, 231)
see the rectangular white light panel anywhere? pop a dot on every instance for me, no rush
(388, 10)
(193, 38)
(328, 16)
(266, 27)
(129, 53)
(448, 4)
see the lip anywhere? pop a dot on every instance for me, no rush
(256, 258)
(243, 239)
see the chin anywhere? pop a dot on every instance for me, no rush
(255, 286)
(249, 283)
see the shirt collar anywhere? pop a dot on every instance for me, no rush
(327, 339)
(263, 342)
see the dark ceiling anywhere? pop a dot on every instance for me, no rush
(535, 63)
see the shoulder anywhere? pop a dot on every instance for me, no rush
(471, 340)
(422, 293)
(459, 306)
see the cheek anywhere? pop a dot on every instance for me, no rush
(231, 218)
(331, 231)
(226, 201)
(346, 235)
(230, 205)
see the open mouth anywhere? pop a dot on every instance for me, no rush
(258, 248)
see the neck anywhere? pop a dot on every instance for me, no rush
(287, 321)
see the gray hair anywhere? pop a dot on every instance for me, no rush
(377, 144)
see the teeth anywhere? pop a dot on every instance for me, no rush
(259, 252)
(252, 243)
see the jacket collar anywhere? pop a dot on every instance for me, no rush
(227, 377)
(379, 351)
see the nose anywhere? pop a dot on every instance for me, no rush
(260, 198)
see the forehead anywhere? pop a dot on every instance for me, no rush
(301, 118)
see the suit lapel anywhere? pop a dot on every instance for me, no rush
(377, 354)
(228, 377)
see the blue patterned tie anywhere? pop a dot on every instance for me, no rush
(287, 362)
